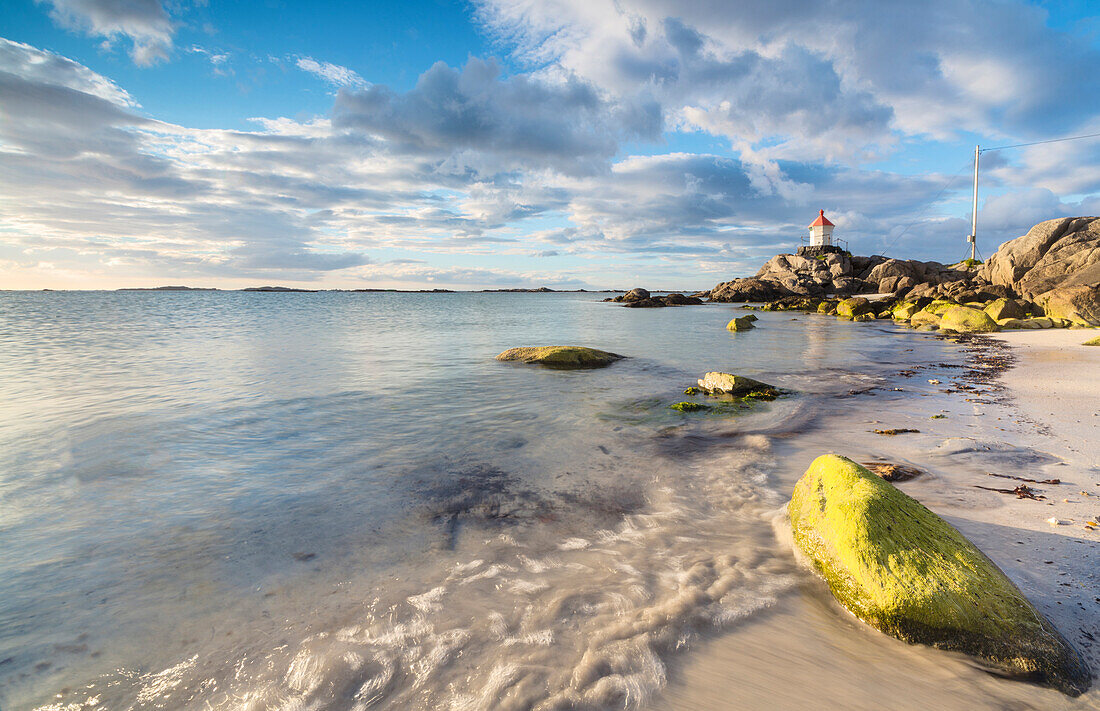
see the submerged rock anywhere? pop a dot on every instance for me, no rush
(906, 572)
(737, 385)
(741, 323)
(561, 356)
(689, 406)
(967, 320)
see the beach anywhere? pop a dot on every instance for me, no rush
(1036, 419)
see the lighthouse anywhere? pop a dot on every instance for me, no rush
(821, 231)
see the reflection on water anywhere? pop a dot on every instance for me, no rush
(255, 500)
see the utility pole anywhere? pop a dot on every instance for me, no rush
(973, 238)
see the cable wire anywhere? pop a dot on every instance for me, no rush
(927, 207)
(1036, 143)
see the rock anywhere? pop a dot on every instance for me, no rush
(681, 300)
(924, 318)
(1041, 322)
(752, 318)
(1055, 253)
(850, 308)
(967, 320)
(741, 323)
(1092, 342)
(863, 317)
(730, 384)
(905, 310)
(561, 356)
(636, 294)
(906, 572)
(1079, 304)
(747, 290)
(1005, 308)
(1010, 323)
(689, 406)
(893, 472)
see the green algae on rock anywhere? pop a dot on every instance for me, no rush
(855, 306)
(561, 356)
(741, 323)
(967, 320)
(736, 385)
(689, 406)
(1092, 342)
(906, 572)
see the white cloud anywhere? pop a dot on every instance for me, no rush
(332, 73)
(144, 22)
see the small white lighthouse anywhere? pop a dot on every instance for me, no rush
(821, 231)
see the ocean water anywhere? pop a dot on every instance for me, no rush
(342, 501)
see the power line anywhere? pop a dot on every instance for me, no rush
(927, 207)
(1036, 143)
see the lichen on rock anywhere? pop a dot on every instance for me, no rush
(716, 383)
(741, 323)
(967, 320)
(906, 572)
(561, 356)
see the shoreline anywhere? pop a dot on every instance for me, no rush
(1001, 423)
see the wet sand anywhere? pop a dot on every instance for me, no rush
(1026, 409)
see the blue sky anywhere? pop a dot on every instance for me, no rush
(498, 143)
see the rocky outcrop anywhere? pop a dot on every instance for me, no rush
(561, 356)
(751, 289)
(906, 572)
(964, 319)
(642, 299)
(1056, 265)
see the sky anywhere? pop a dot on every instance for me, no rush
(526, 143)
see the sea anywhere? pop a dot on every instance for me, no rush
(334, 500)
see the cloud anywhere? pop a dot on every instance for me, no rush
(144, 22)
(332, 73)
(474, 119)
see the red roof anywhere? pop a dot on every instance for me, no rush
(821, 221)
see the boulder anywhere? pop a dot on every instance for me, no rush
(850, 308)
(967, 320)
(741, 323)
(747, 290)
(1055, 253)
(1005, 308)
(730, 384)
(905, 310)
(1010, 323)
(561, 356)
(1076, 303)
(1041, 322)
(924, 318)
(687, 406)
(1092, 342)
(636, 294)
(908, 573)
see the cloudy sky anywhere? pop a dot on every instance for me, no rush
(499, 143)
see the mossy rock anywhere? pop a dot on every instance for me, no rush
(906, 572)
(752, 318)
(826, 307)
(1040, 322)
(864, 317)
(692, 391)
(967, 320)
(689, 406)
(1004, 308)
(564, 357)
(1092, 342)
(938, 306)
(737, 385)
(1010, 323)
(741, 323)
(855, 306)
(904, 311)
(924, 318)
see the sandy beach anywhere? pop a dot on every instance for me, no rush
(1036, 420)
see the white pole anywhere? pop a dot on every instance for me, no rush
(974, 219)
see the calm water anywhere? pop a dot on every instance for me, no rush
(341, 501)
